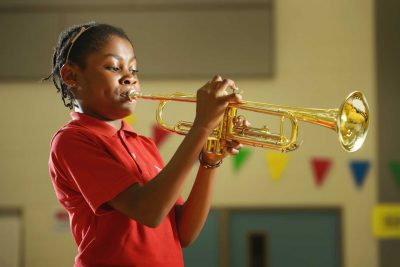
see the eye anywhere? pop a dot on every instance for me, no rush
(113, 69)
(134, 71)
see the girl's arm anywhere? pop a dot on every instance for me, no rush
(192, 215)
(151, 202)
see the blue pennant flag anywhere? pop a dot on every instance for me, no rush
(359, 169)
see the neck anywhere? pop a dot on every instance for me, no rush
(117, 124)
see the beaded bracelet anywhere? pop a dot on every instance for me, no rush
(207, 165)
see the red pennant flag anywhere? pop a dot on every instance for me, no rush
(61, 215)
(321, 168)
(159, 134)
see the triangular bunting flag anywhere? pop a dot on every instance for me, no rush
(241, 158)
(276, 164)
(394, 167)
(359, 169)
(321, 168)
(130, 119)
(159, 134)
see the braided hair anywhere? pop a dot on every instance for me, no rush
(76, 51)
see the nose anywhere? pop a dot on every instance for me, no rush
(129, 78)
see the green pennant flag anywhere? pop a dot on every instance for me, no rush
(241, 158)
(394, 167)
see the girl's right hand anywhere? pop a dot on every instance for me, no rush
(212, 100)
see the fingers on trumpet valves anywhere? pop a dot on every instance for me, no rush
(240, 122)
(231, 147)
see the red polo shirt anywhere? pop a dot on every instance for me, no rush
(90, 163)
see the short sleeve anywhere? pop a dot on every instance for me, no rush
(82, 162)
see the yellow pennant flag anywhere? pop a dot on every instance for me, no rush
(276, 164)
(130, 119)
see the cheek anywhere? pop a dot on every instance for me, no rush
(108, 88)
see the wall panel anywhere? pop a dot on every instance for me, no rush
(27, 41)
(172, 39)
(195, 43)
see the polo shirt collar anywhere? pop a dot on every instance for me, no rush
(100, 126)
(127, 128)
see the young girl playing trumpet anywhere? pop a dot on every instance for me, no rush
(124, 204)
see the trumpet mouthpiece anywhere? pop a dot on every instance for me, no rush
(132, 94)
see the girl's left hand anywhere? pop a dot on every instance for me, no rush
(230, 147)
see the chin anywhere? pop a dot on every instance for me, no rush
(125, 114)
(120, 114)
(131, 107)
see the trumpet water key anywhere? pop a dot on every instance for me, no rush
(350, 121)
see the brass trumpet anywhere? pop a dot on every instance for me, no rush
(350, 122)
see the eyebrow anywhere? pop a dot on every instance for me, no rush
(118, 57)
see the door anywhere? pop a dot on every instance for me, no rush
(284, 238)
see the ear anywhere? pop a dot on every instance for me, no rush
(68, 74)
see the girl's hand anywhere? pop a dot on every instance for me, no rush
(212, 100)
(230, 147)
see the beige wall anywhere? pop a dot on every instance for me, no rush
(324, 50)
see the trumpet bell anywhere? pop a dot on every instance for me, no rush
(352, 122)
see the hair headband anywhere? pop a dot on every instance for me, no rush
(81, 31)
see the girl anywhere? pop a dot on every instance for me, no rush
(124, 204)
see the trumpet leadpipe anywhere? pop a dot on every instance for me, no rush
(181, 97)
